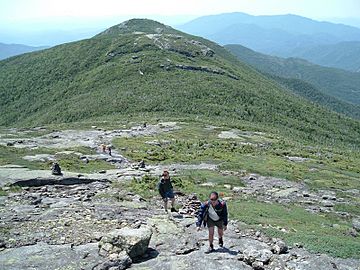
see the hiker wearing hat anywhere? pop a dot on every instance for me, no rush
(213, 213)
(166, 191)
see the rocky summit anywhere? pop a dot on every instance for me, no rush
(93, 220)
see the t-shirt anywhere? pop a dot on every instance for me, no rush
(212, 213)
(165, 186)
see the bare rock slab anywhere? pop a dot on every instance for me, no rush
(44, 256)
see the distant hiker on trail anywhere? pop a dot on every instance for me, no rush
(109, 149)
(213, 213)
(103, 147)
(166, 191)
(55, 169)
(142, 164)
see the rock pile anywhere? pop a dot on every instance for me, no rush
(190, 205)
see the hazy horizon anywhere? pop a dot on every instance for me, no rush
(41, 23)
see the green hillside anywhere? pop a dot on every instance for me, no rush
(343, 55)
(286, 71)
(143, 68)
(311, 93)
(344, 85)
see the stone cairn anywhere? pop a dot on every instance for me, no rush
(190, 205)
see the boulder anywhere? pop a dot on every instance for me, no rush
(352, 232)
(327, 203)
(356, 224)
(258, 265)
(329, 197)
(253, 177)
(297, 159)
(238, 189)
(134, 241)
(116, 261)
(207, 184)
(252, 255)
(280, 247)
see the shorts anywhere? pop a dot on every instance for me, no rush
(169, 194)
(211, 223)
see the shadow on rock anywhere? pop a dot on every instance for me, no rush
(149, 255)
(226, 250)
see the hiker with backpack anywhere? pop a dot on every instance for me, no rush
(213, 213)
(166, 191)
(103, 147)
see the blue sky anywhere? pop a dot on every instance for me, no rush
(33, 17)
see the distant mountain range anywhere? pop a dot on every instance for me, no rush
(8, 50)
(282, 35)
(341, 84)
(143, 68)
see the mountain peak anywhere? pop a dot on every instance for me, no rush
(138, 25)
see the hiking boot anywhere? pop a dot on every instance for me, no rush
(221, 243)
(210, 249)
(173, 209)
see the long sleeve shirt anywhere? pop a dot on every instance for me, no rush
(220, 209)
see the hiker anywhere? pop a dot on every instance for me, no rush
(109, 149)
(142, 164)
(166, 191)
(103, 147)
(213, 213)
(55, 169)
